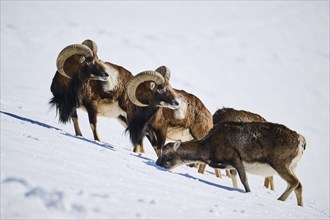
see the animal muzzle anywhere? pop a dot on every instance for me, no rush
(158, 162)
(165, 164)
(172, 105)
(175, 104)
(102, 77)
(161, 163)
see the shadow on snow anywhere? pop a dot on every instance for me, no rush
(152, 163)
(148, 161)
(41, 124)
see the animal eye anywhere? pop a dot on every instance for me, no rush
(90, 63)
(161, 91)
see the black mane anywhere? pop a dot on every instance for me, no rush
(138, 125)
(66, 98)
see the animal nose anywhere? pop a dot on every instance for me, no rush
(175, 103)
(105, 74)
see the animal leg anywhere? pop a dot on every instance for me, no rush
(266, 182)
(161, 138)
(238, 165)
(138, 148)
(233, 176)
(298, 192)
(293, 184)
(228, 172)
(122, 120)
(92, 113)
(217, 173)
(150, 134)
(201, 167)
(269, 182)
(74, 118)
(142, 149)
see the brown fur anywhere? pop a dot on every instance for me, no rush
(197, 119)
(139, 117)
(230, 114)
(95, 96)
(154, 121)
(98, 95)
(232, 143)
(80, 91)
(91, 93)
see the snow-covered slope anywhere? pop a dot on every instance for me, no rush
(268, 57)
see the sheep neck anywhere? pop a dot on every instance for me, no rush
(192, 151)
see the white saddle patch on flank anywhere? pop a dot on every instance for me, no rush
(110, 110)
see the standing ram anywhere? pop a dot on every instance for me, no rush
(83, 81)
(260, 148)
(100, 88)
(187, 119)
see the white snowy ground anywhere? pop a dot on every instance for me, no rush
(269, 57)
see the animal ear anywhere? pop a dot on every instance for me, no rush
(176, 145)
(152, 85)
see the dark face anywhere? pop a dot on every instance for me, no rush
(95, 69)
(169, 158)
(164, 96)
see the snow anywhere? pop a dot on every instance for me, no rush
(268, 57)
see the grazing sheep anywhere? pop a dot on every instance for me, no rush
(261, 148)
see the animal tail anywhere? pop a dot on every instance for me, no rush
(63, 110)
(302, 142)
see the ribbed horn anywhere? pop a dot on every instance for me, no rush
(91, 44)
(165, 71)
(140, 78)
(74, 49)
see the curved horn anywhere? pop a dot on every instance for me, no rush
(91, 44)
(74, 49)
(165, 71)
(140, 78)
